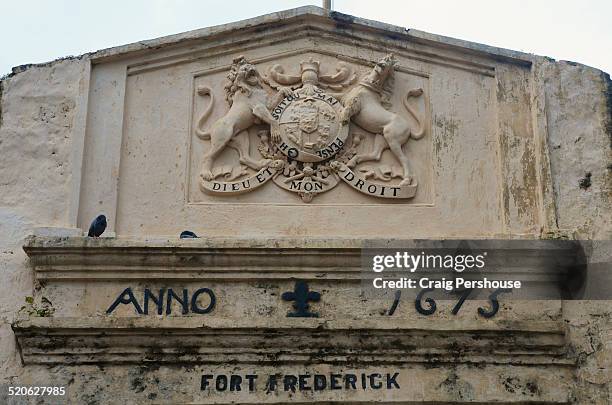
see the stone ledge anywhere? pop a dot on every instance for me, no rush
(119, 259)
(81, 258)
(192, 340)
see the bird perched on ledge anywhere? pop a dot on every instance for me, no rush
(97, 226)
(188, 235)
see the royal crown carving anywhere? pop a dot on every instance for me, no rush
(308, 144)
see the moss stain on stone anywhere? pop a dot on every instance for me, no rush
(607, 96)
(585, 182)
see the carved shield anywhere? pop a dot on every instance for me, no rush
(309, 118)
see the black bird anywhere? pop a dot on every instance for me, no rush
(188, 235)
(97, 226)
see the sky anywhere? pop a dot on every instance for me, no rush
(35, 31)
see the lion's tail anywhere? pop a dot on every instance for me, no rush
(199, 130)
(421, 130)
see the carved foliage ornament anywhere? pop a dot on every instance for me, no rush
(305, 146)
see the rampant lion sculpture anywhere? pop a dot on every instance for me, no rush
(249, 103)
(365, 106)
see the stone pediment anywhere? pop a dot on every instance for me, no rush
(158, 110)
(311, 21)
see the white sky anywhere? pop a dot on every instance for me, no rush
(42, 30)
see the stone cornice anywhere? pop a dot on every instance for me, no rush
(228, 259)
(82, 258)
(255, 340)
(185, 340)
(337, 20)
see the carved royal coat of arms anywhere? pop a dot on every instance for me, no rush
(307, 148)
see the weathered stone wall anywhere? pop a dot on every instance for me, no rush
(37, 113)
(42, 110)
(579, 113)
(580, 139)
